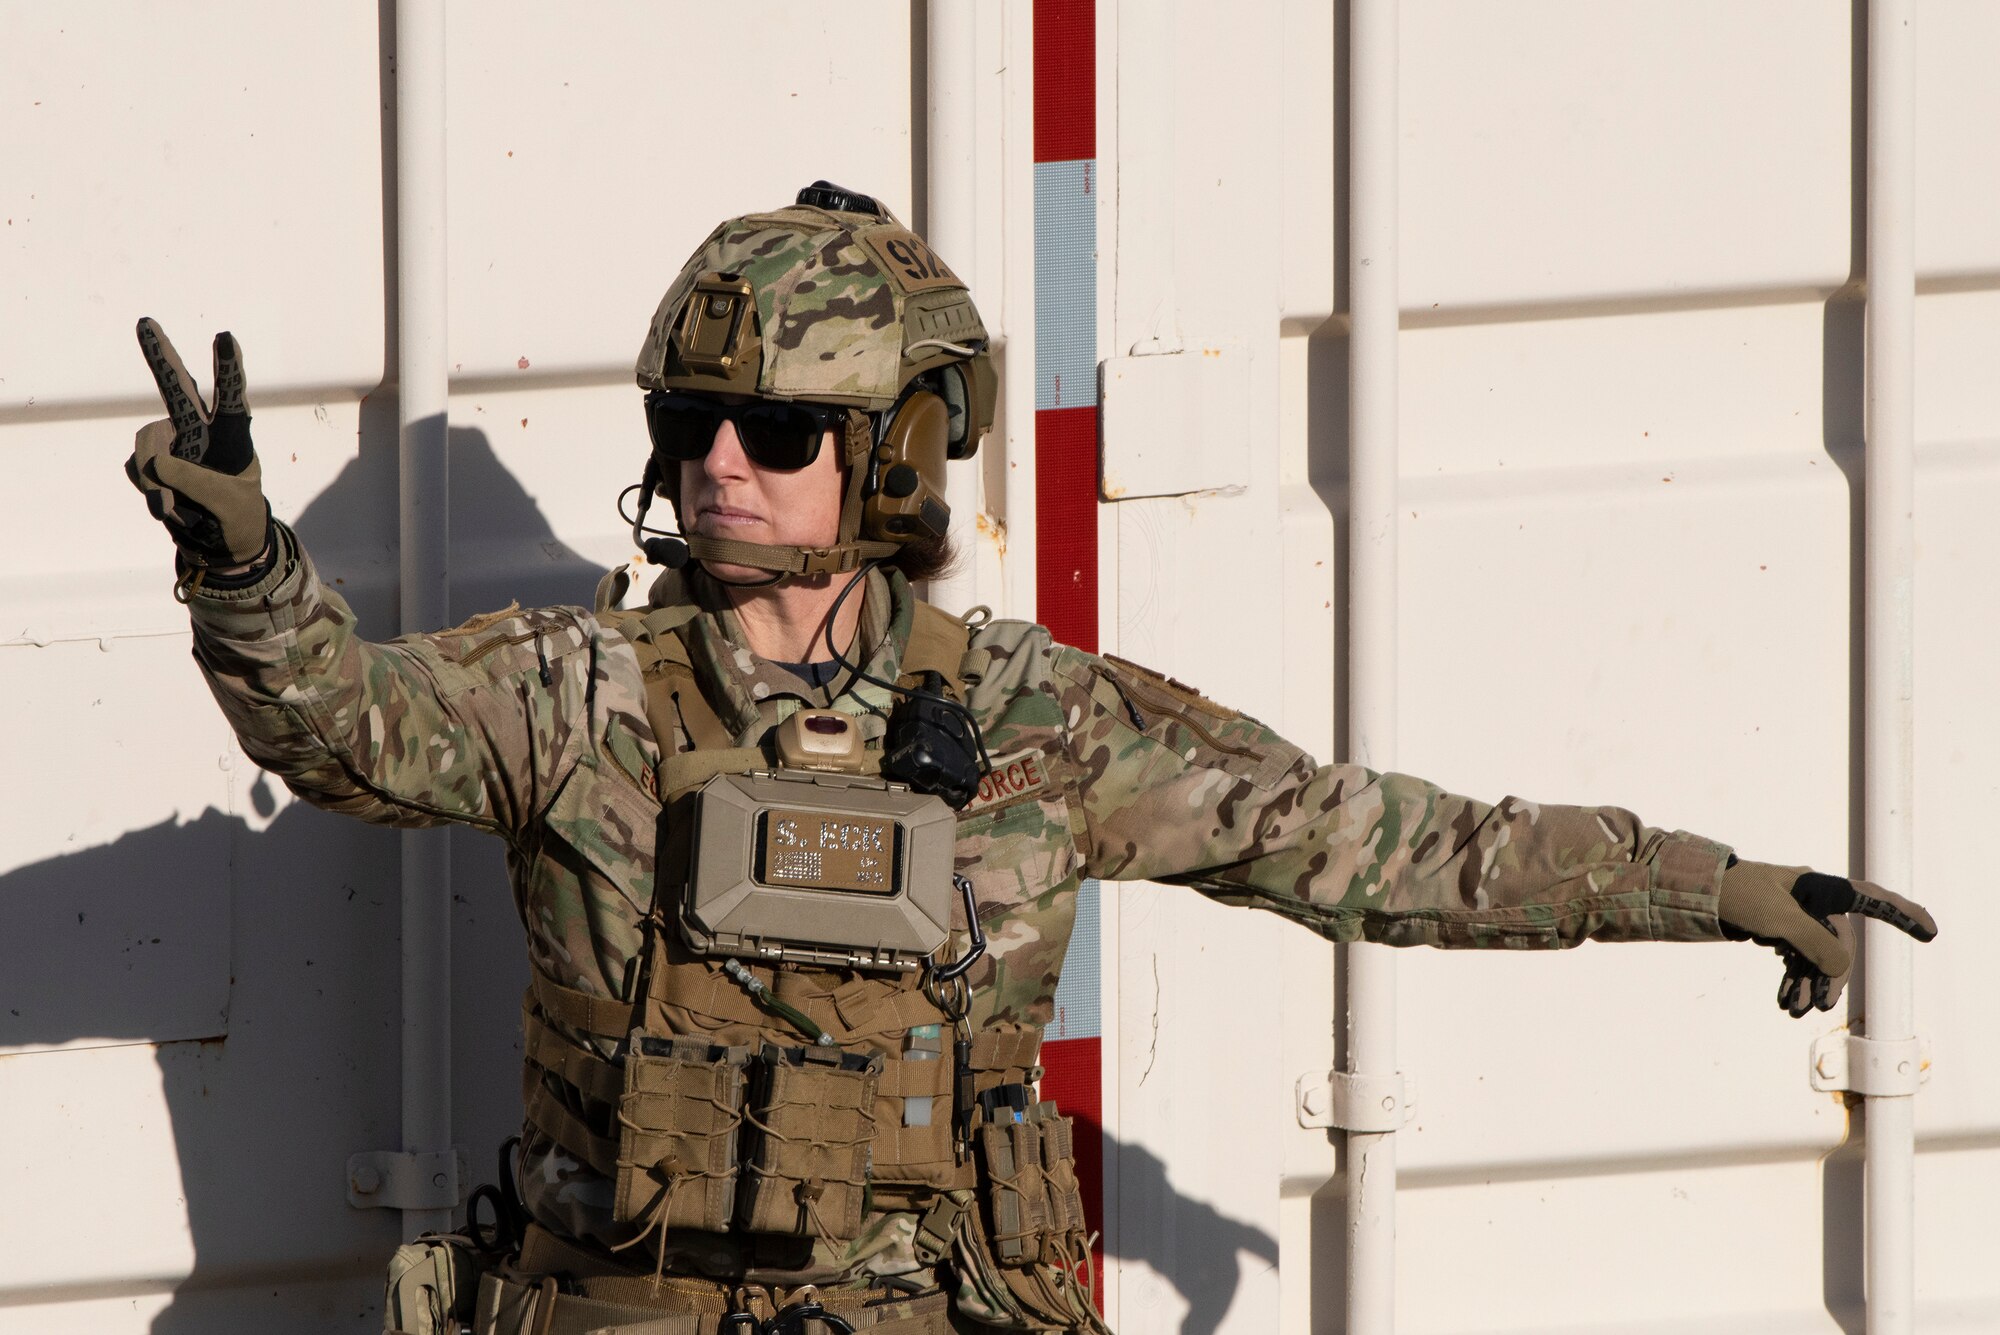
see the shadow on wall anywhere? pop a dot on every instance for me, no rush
(1201, 1255)
(297, 1066)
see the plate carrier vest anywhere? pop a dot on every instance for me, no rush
(714, 1114)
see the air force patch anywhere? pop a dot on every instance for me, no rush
(1012, 779)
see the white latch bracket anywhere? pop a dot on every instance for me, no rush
(1872, 1067)
(393, 1180)
(1348, 1102)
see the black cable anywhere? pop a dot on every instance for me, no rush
(639, 526)
(638, 521)
(840, 660)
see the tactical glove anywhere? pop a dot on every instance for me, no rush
(1800, 913)
(196, 467)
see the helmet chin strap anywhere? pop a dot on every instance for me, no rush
(675, 550)
(838, 559)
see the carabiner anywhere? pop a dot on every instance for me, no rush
(792, 1320)
(956, 969)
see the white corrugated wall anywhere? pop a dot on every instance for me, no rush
(1630, 423)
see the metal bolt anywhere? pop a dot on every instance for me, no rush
(1315, 1102)
(1828, 1066)
(1388, 1103)
(437, 1179)
(365, 1180)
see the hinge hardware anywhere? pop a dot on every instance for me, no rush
(1843, 1061)
(1346, 1101)
(394, 1180)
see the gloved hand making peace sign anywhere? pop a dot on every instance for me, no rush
(1803, 915)
(196, 466)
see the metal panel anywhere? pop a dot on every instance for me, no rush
(1958, 218)
(588, 159)
(1630, 420)
(1154, 405)
(1568, 150)
(232, 168)
(1631, 416)
(187, 170)
(114, 935)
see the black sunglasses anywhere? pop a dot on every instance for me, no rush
(782, 436)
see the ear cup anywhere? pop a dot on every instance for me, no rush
(904, 499)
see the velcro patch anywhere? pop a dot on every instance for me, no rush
(910, 264)
(1012, 779)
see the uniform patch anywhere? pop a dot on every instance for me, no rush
(1012, 779)
(910, 263)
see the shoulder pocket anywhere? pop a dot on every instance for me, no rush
(1194, 727)
(610, 825)
(500, 647)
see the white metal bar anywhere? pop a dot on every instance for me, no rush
(1888, 676)
(1370, 971)
(1017, 307)
(423, 393)
(951, 74)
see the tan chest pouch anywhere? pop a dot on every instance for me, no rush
(1023, 1246)
(721, 1138)
(753, 1135)
(1027, 1160)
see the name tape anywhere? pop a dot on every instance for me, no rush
(1012, 779)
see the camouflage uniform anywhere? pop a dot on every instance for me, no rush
(533, 725)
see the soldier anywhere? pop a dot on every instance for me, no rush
(747, 1110)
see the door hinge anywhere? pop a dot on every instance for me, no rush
(395, 1180)
(1348, 1102)
(1873, 1067)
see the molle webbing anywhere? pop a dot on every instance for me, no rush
(673, 696)
(679, 1128)
(687, 770)
(861, 1007)
(582, 1011)
(573, 1094)
(938, 643)
(578, 1067)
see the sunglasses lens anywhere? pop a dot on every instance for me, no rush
(779, 435)
(682, 426)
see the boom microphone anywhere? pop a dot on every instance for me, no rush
(669, 552)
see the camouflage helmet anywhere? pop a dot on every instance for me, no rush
(833, 301)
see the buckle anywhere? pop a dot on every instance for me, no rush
(835, 560)
(937, 1228)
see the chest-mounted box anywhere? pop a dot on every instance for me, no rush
(843, 870)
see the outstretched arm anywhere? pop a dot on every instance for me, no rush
(1179, 789)
(477, 725)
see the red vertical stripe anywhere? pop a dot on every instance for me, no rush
(1066, 519)
(1065, 80)
(1066, 524)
